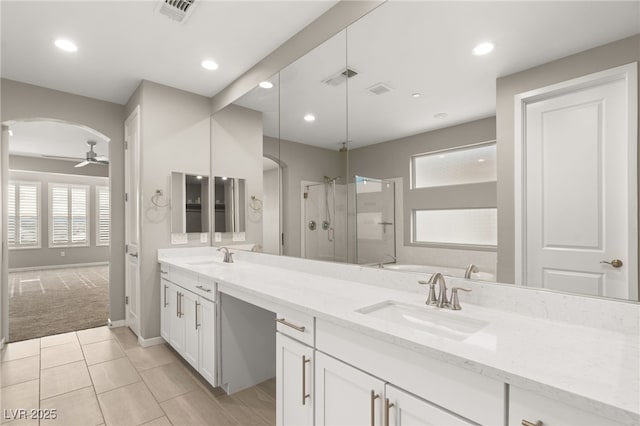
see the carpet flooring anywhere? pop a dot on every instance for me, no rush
(42, 303)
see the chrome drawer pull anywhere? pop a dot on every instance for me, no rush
(288, 324)
(208, 290)
(163, 272)
(528, 423)
(374, 396)
(387, 408)
(305, 395)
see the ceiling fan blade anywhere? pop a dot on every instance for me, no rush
(82, 164)
(102, 158)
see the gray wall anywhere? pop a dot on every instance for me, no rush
(391, 159)
(600, 58)
(48, 165)
(24, 101)
(175, 136)
(300, 162)
(45, 256)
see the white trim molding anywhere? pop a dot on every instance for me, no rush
(116, 324)
(145, 343)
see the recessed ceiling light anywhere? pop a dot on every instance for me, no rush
(416, 95)
(309, 118)
(66, 45)
(441, 115)
(208, 64)
(483, 49)
(266, 84)
(10, 132)
(481, 160)
(224, 178)
(198, 177)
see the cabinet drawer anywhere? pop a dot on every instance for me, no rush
(296, 324)
(526, 406)
(206, 288)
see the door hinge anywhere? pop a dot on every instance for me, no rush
(306, 195)
(126, 197)
(126, 145)
(126, 300)
(282, 235)
(126, 248)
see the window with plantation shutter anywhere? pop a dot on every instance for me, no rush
(23, 208)
(103, 222)
(68, 215)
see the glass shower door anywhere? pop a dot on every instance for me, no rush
(375, 220)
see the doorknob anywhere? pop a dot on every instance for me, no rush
(616, 263)
(133, 254)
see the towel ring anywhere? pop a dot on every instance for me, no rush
(255, 203)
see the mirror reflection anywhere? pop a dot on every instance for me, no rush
(230, 204)
(190, 203)
(472, 191)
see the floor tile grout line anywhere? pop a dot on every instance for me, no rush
(93, 386)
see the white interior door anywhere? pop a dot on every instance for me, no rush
(132, 219)
(580, 187)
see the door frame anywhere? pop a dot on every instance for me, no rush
(127, 180)
(628, 73)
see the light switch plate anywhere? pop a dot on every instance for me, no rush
(217, 237)
(204, 237)
(239, 236)
(179, 239)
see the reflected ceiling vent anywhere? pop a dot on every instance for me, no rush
(177, 10)
(339, 78)
(379, 89)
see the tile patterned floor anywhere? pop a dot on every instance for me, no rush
(102, 376)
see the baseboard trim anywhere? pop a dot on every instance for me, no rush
(116, 324)
(2, 343)
(145, 343)
(71, 265)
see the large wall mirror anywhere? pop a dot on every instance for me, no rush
(190, 203)
(230, 204)
(395, 145)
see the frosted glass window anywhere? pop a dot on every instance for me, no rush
(472, 164)
(460, 226)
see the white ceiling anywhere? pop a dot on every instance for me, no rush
(54, 139)
(426, 47)
(122, 42)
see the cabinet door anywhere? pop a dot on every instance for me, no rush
(165, 310)
(190, 309)
(527, 406)
(404, 409)
(345, 395)
(177, 330)
(207, 331)
(294, 382)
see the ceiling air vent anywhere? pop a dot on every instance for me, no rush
(340, 77)
(379, 89)
(178, 10)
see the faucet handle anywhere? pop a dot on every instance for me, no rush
(431, 297)
(455, 302)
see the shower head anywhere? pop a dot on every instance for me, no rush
(328, 179)
(343, 148)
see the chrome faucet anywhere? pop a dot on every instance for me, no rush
(471, 269)
(442, 301)
(228, 256)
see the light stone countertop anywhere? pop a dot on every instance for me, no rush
(594, 369)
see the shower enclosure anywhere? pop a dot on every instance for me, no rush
(375, 220)
(324, 220)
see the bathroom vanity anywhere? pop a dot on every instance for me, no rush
(358, 345)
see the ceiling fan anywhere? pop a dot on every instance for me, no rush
(92, 156)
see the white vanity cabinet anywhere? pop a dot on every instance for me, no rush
(294, 382)
(188, 320)
(527, 408)
(346, 395)
(403, 409)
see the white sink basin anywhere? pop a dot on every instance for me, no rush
(439, 322)
(204, 262)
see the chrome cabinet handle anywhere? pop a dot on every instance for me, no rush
(165, 296)
(300, 328)
(305, 395)
(374, 396)
(180, 313)
(528, 423)
(133, 255)
(178, 304)
(616, 263)
(197, 304)
(208, 290)
(387, 408)
(163, 272)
